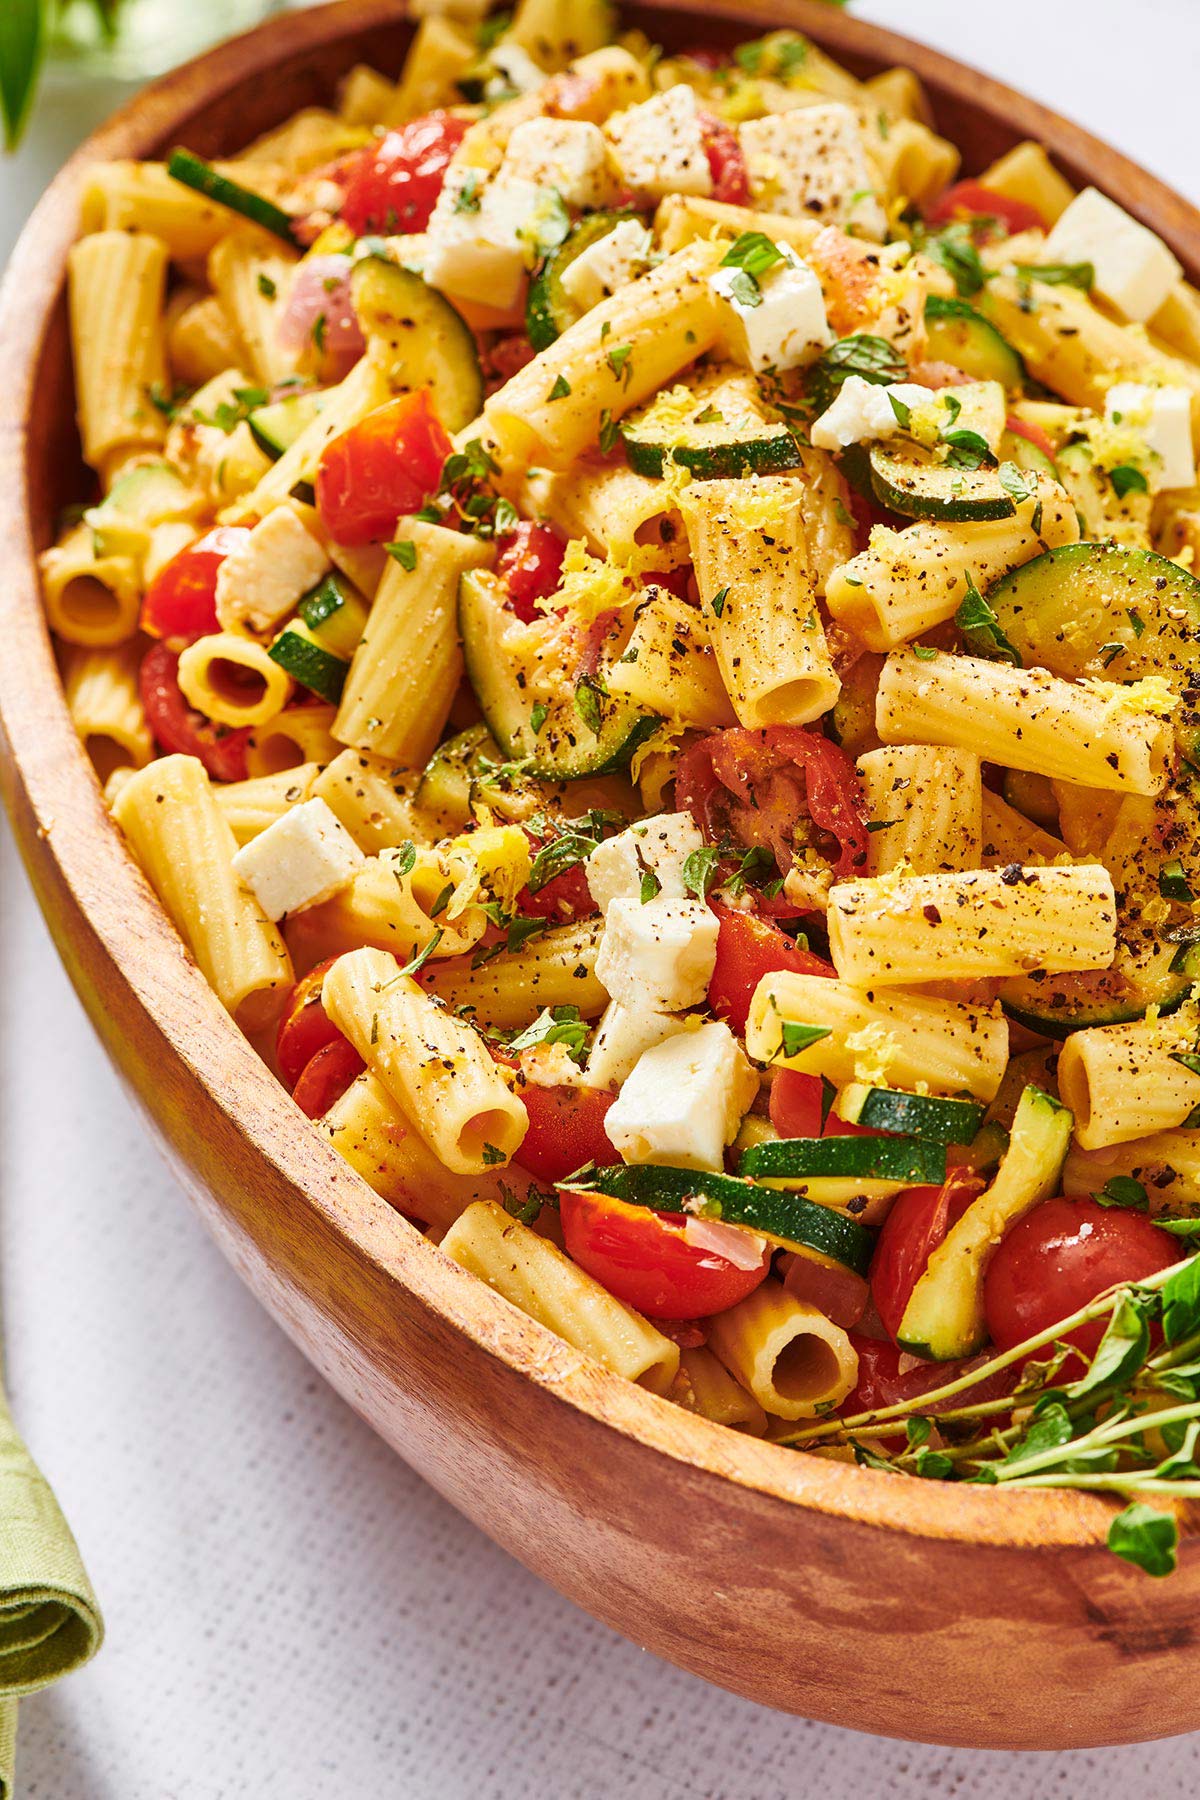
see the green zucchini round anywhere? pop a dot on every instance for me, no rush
(957, 334)
(549, 310)
(908, 481)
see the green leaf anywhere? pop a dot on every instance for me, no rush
(933, 1466)
(981, 628)
(700, 871)
(955, 250)
(1144, 1537)
(754, 253)
(872, 358)
(404, 552)
(1173, 882)
(22, 43)
(902, 412)
(1121, 1353)
(1049, 1431)
(588, 702)
(968, 450)
(1123, 1190)
(560, 390)
(423, 955)
(1128, 480)
(651, 886)
(406, 857)
(558, 1025)
(1181, 1302)
(718, 602)
(1019, 484)
(795, 1038)
(1078, 275)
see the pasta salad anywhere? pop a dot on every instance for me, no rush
(643, 631)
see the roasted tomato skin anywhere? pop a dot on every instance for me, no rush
(304, 1026)
(530, 567)
(1061, 1255)
(177, 730)
(917, 1223)
(385, 466)
(645, 1259)
(393, 185)
(180, 604)
(326, 1077)
(972, 200)
(747, 949)
(566, 1130)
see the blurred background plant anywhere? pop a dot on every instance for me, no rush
(104, 40)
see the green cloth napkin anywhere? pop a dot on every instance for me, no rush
(49, 1620)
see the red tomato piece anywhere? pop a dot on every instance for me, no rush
(1033, 434)
(883, 1382)
(566, 1130)
(1060, 1256)
(765, 788)
(915, 1226)
(726, 161)
(565, 896)
(834, 1290)
(797, 1102)
(178, 730)
(972, 200)
(180, 605)
(325, 1079)
(386, 465)
(305, 1027)
(645, 1259)
(393, 185)
(530, 566)
(747, 949)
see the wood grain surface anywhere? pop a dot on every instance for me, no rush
(948, 1614)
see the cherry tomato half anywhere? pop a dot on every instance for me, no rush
(726, 161)
(386, 465)
(180, 605)
(177, 729)
(747, 949)
(305, 1027)
(530, 566)
(566, 1130)
(645, 1259)
(393, 185)
(325, 1079)
(972, 200)
(915, 1226)
(882, 1382)
(1060, 1256)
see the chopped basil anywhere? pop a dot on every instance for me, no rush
(560, 390)
(981, 628)
(404, 551)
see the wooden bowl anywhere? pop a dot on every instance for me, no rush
(950, 1614)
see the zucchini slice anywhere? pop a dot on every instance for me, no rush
(873, 1159)
(925, 1116)
(787, 1219)
(309, 663)
(549, 310)
(578, 731)
(276, 426)
(418, 338)
(1015, 448)
(445, 786)
(717, 429)
(957, 334)
(909, 481)
(194, 172)
(336, 615)
(944, 1316)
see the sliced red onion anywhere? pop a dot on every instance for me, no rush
(321, 289)
(744, 1249)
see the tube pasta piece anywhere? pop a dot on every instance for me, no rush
(251, 806)
(408, 664)
(300, 734)
(925, 806)
(1097, 733)
(142, 197)
(1177, 321)
(900, 94)
(828, 521)
(231, 679)
(308, 140)
(1009, 837)
(891, 1039)
(373, 799)
(1167, 1164)
(1126, 1081)
(661, 322)
(792, 1358)
(556, 969)
(440, 53)
(684, 219)
(436, 1067)
(175, 829)
(389, 907)
(757, 587)
(543, 1283)
(613, 509)
(201, 342)
(965, 926)
(106, 708)
(668, 666)
(1026, 173)
(706, 1387)
(914, 163)
(906, 582)
(90, 600)
(252, 283)
(116, 282)
(1072, 347)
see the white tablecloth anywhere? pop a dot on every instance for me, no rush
(291, 1613)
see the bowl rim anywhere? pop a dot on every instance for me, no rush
(53, 798)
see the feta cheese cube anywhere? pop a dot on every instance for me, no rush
(684, 1100)
(1134, 269)
(303, 858)
(261, 581)
(567, 154)
(482, 237)
(658, 846)
(659, 146)
(863, 411)
(812, 163)
(778, 318)
(1163, 416)
(660, 955)
(623, 1034)
(618, 257)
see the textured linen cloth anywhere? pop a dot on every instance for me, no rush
(292, 1614)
